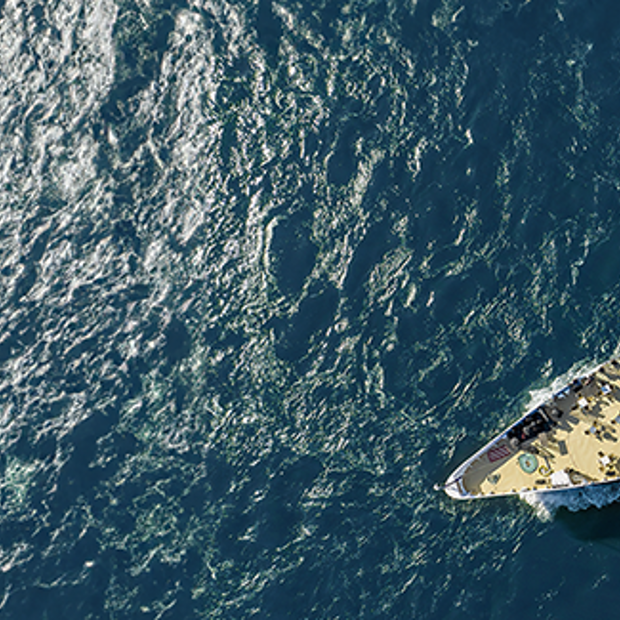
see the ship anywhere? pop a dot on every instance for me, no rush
(570, 441)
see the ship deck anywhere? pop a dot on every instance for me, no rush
(571, 440)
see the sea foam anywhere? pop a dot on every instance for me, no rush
(546, 504)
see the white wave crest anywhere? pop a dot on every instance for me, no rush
(546, 504)
(581, 368)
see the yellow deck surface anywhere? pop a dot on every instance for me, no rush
(584, 447)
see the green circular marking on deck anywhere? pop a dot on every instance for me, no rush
(528, 462)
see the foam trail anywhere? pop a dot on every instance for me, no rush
(579, 369)
(546, 504)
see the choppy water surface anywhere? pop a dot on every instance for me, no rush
(268, 270)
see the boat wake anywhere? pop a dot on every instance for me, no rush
(547, 504)
(582, 368)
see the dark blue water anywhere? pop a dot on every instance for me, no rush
(268, 271)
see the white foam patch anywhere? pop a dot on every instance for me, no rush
(579, 369)
(546, 504)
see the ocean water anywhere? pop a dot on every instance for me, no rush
(268, 271)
